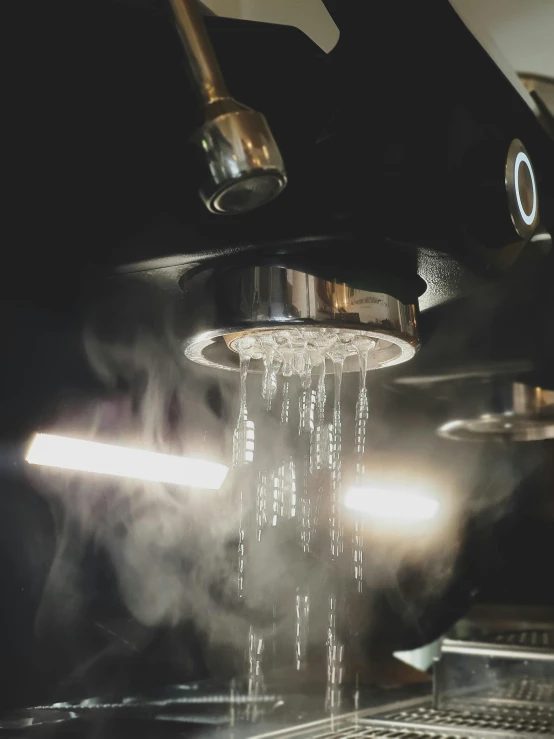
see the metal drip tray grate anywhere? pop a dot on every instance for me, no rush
(521, 691)
(499, 687)
(365, 730)
(530, 638)
(474, 720)
(512, 670)
(518, 695)
(368, 732)
(418, 720)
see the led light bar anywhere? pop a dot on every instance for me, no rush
(107, 459)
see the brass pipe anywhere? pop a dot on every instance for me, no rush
(199, 50)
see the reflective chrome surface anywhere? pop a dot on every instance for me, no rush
(231, 301)
(528, 415)
(243, 168)
(532, 400)
(497, 673)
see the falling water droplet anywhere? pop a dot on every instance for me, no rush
(362, 409)
(285, 404)
(357, 700)
(335, 660)
(287, 485)
(284, 477)
(317, 451)
(274, 635)
(243, 437)
(320, 396)
(362, 416)
(335, 647)
(336, 462)
(268, 362)
(255, 674)
(306, 412)
(272, 362)
(243, 454)
(358, 550)
(288, 358)
(274, 371)
(284, 492)
(302, 627)
(276, 500)
(306, 376)
(338, 363)
(232, 696)
(261, 504)
(241, 552)
(305, 492)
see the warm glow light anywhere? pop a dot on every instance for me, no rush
(107, 459)
(392, 504)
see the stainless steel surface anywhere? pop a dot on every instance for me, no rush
(541, 638)
(470, 372)
(419, 720)
(363, 730)
(521, 186)
(243, 168)
(495, 649)
(485, 620)
(516, 675)
(414, 718)
(230, 301)
(527, 414)
(531, 400)
(499, 427)
(516, 693)
(204, 707)
(473, 723)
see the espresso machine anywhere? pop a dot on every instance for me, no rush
(351, 246)
(351, 197)
(421, 213)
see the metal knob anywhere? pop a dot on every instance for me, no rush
(521, 188)
(501, 204)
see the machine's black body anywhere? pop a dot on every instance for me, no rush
(389, 141)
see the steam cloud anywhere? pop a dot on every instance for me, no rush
(174, 552)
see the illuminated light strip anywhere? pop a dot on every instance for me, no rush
(90, 456)
(522, 157)
(388, 504)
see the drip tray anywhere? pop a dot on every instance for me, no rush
(428, 721)
(419, 720)
(499, 686)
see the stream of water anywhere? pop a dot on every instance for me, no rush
(304, 485)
